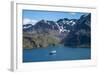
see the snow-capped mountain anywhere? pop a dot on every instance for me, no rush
(81, 33)
(62, 25)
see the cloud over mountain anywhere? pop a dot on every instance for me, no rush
(29, 21)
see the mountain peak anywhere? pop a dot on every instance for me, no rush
(62, 25)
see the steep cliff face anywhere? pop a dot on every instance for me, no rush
(81, 36)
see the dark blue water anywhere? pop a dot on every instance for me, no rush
(62, 53)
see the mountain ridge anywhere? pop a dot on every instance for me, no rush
(68, 32)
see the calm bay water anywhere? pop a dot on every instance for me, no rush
(62, 53)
